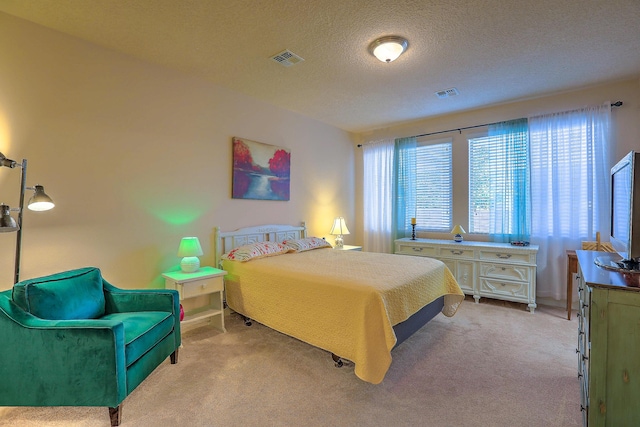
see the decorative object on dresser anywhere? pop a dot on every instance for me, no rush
(457, 231)
(207, 281)
(608, 343)
(38, 202)
(483, 269)
(597, 245)
(190, 250)
(339, 229)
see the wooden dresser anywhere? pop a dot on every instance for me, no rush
(608, 344)
(483, 269)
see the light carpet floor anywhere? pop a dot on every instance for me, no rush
(492, 364)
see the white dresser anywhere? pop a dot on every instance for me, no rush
(483, 269)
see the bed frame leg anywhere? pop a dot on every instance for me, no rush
(337, 360)
(247, 321)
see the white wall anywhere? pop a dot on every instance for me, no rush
(137, 156)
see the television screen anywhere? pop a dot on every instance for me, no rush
(621, 206)
(625, 210)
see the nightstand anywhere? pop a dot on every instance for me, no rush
(206, 282)
(349, 248)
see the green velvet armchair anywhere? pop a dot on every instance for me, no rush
(73, 339)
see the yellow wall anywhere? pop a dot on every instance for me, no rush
(625, 126)
(137, 156)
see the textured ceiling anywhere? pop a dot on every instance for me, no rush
(492, 51)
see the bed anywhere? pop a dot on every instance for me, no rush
(355, 305)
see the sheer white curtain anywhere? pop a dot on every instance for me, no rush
(378, 195)
(569, 188)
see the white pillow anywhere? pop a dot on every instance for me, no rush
(255, 251)
(306, 244)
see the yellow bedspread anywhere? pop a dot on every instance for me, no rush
(345, 302)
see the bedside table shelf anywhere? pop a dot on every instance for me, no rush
(207, 281)
(201, 315)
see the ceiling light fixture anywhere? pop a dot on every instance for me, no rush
(388, 48)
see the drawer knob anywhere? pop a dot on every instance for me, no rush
(456, 252)
(417, 249)
(504, 256)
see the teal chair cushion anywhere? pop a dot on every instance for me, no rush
(74, 294)
(142, 331)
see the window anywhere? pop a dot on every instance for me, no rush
(434, 186)
(499, 182)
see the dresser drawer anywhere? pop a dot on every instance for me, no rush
(505, 271)
(510, 256)
(504, 288)
(419, 250)
(201, 287)
(461, 252)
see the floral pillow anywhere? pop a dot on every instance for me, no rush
(256, 250)
(306, 244)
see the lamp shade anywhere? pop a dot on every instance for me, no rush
(190, 250)
(339, 227)
(7, 162)
(190, 246)
(7, 223)
(40, 201)
(458, 230)
(389, 48)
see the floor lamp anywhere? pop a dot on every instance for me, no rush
(38, 202)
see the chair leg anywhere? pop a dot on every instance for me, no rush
(115, 414)
(174, 357)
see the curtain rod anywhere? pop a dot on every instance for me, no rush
(615, 104)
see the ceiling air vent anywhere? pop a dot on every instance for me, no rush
(287, 58)
(447, 93)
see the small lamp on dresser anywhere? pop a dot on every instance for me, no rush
(190, 250)
(457, 232)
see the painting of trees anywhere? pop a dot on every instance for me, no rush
(260, 171)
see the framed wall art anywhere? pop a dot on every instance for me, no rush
(260, 171)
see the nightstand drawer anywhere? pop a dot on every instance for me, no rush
(201, 287)
(505, 271)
